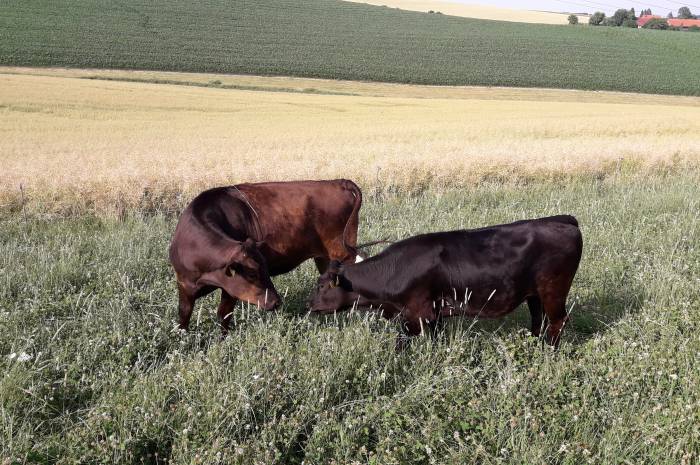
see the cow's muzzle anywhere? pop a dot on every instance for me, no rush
(270, 301)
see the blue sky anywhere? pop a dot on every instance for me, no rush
(608, 6)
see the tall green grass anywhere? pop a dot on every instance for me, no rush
(88, 307)
(341, 40)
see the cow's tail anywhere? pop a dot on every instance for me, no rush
(354, 218)
(364, 255)
(370, 244)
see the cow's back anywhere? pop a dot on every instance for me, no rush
(521, 252)
(302, 219)
(509, 259)
(294, 221)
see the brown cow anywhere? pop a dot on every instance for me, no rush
(234, 238)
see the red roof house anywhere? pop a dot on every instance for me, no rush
(683, 23)
(672, 22)
(642, 20)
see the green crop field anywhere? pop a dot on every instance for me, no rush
(93, 371)
(342, 40)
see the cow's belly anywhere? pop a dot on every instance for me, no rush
(487, 301)
(284, 257)
(279, 264)
(282, 268)
(490, 310)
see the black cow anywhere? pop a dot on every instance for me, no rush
(483, 272)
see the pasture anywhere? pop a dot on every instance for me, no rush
(343, 40)
(103, 146)
(95, 373)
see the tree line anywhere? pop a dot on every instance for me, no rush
(628, 18)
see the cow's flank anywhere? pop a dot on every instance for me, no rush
(482, 273)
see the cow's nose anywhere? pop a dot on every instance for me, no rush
(274, 304)
(310, 303)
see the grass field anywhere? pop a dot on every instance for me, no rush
(94, 373)
(343, 40)
(474, 10)
(93, 145)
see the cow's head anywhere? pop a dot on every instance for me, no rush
(248, 277)
(333, 291)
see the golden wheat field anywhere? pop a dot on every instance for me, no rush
(476, 11)
(96, 144)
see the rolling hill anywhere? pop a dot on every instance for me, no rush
(343, 40)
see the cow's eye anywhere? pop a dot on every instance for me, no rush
(243, 271)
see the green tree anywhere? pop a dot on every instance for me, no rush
(619, 17)
(597, 18)
(629, 22)
(656, 23)
(573, 20)
(685, 13)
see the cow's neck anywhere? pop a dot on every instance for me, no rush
(367, 278)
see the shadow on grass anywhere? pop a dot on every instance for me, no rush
(593, 309)
(589, 316)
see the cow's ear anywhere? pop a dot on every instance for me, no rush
(335, 266)
(345, 283)
(335, 281)
(260, 244)
(235, 252)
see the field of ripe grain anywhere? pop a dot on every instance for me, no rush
(107, 146)
(474, 10)
(334, 39)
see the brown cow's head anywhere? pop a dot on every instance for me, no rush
(248, 277)
(333, 291)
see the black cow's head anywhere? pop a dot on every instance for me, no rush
(248, 276)
(333, 291)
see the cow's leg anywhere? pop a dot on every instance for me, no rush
(535, 305)
(419, 317)
(418, 323)
(389, 311)
(225, 311)
(322, 264)
(555, 310)
(185, 305)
